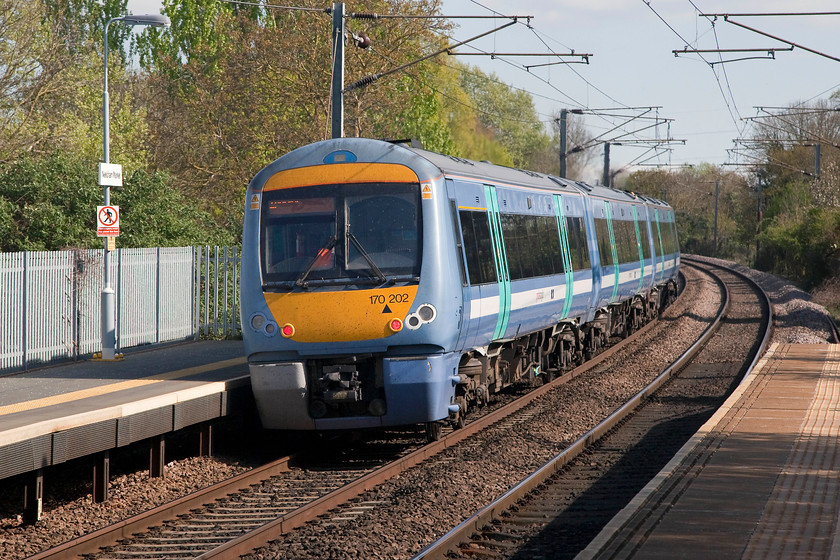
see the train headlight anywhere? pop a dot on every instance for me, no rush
(270, 329)
(427, 312)
(258, 321)
(413, 322)
(395, 325)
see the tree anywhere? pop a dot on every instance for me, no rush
(470, 138)
(30, 64)
(691, 192)
(510, 115)
(229, 102)
(576, 161)
(51, 82)
(49, 203)
(801, 204)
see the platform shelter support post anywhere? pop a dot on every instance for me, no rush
(157, 447)
(33, 497)
(205, 440)
(101, 475)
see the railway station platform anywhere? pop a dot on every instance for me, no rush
(761, 479)
(55, 414)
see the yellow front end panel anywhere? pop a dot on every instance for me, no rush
(341, 316)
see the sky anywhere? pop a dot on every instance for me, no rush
(633, 66)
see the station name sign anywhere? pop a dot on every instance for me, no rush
(110, 175)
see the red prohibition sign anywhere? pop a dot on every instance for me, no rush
(108, 216)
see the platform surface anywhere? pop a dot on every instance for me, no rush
(761, 479)
(146, 393)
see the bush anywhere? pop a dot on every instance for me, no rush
(805, 250)
(49, 203)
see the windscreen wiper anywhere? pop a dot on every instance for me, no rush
(375, 269)
(324, 248)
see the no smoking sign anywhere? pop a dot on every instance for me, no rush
(107, 221)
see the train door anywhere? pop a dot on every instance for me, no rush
(500, 261)
(640, 239)
(477, 249)
(657, 238)
(568, 272)
(466, 327)
(614, 250)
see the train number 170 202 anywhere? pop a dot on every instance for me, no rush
(380, 299)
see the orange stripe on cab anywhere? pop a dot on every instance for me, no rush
(341, 173)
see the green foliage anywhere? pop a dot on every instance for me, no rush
(49, 203)
(507, 112)
(470, 139)
(82, 22)
(51, 70)
(800, 228)
(805, 250)
(154, 214)
(236, 90)
(195, 40)
(798, 236)
(691, 192)
(424, 120)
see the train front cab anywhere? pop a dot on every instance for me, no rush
(351, 344)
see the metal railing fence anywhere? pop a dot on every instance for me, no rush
(216, 307)
(50, 300)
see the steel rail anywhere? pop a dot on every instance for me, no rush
(248, 542)
(108, 536)
(461, 533)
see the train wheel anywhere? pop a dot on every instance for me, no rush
(460, 419)
(433, 431)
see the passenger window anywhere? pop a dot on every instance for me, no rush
(478, 248)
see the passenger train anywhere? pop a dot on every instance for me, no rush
(384, 285)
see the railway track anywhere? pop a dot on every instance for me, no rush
(556, 511)
(260, 505)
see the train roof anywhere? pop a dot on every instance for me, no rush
(450, 166)
(486, 171)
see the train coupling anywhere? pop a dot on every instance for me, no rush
(341, 384)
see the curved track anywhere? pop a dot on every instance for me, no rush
(255, 510)
(558, 509)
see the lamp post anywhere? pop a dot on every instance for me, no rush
(108, 309)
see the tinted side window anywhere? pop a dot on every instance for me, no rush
(577, 243)
(657, 234)
(549, 241)
(532, 244)
(602, 232)
(644, 238)
(478, 248)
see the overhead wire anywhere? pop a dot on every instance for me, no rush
(450, 97)
(576, 103)
(717, 78)
(804, 131)
(547, 118)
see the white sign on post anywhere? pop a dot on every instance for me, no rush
(110, 175)
(107, 221)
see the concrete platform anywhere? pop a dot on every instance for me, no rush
(59, 413)
(761, 479)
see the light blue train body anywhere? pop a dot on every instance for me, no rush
(385, 285)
